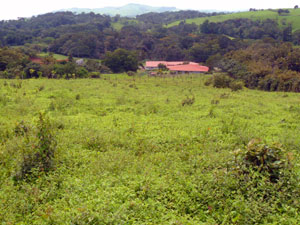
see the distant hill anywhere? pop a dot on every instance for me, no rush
(130, 10)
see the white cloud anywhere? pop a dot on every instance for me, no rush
(12, 9)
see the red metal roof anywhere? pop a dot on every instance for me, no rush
(189, 68)
(179, 66)
(36, 60)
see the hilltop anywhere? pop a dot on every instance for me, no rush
(129, 10)
(293, 17)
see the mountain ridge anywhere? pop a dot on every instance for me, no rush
(129, 10)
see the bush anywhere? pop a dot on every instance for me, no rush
(94, 75)
(38, 151)
(188, 101)
(236, 85)
(130, 73)
(267, 160)
(209, 81)
(221, 81)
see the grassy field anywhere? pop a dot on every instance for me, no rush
(293, 17)
(56, 56)
(129, 151)
(122, 22)
(61, 57)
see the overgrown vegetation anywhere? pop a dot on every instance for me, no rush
(161, 150)
(37, 149)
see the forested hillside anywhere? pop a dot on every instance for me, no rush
(94, 36)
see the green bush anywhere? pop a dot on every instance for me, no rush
(94, 75)
(188, 101)
(130, 73)
(38, 151)
(221, 81)
(265, 159)
(236, 85)
(209, 81)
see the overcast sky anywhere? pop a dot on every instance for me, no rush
(11, 9)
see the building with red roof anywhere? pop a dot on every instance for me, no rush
(178, 67)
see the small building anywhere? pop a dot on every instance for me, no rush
(80, 62)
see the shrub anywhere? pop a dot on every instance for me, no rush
(96, 143)
(38, 151)
(267, 160)
(236, 85)
(209, 81)
(162, 67)
(188, 101)
(94, 75)
(42, 87)
(130, 73)
(221, 81)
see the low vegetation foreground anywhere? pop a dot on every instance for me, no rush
(147, 150)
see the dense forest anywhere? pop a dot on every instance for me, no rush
(263, 50)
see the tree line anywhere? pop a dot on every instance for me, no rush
(259, 53)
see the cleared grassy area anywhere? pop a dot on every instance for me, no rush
(129, 152)
(118, 25)
(56, 56)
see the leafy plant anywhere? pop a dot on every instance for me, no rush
(221, 80)
(188, 101)
(236, 85)
(267, 160)
(39, 151)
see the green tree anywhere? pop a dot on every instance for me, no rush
(121, 60)
(287, 33)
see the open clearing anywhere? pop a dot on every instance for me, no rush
(129, 152)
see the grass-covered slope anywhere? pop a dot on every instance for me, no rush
(129, 152)
(293, 17)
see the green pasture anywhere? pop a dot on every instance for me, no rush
(56, 56)
(130, 152)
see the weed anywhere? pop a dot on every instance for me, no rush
(40, 155)
(211, 112)
(121, 100)
(21, 129)
(215, 102)
(17, 85)
(4, 99)
(268, 160)
(96, 143)
(236, 85)
(42, 87)
(130, 73)
(188, 101)
(224, 96)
